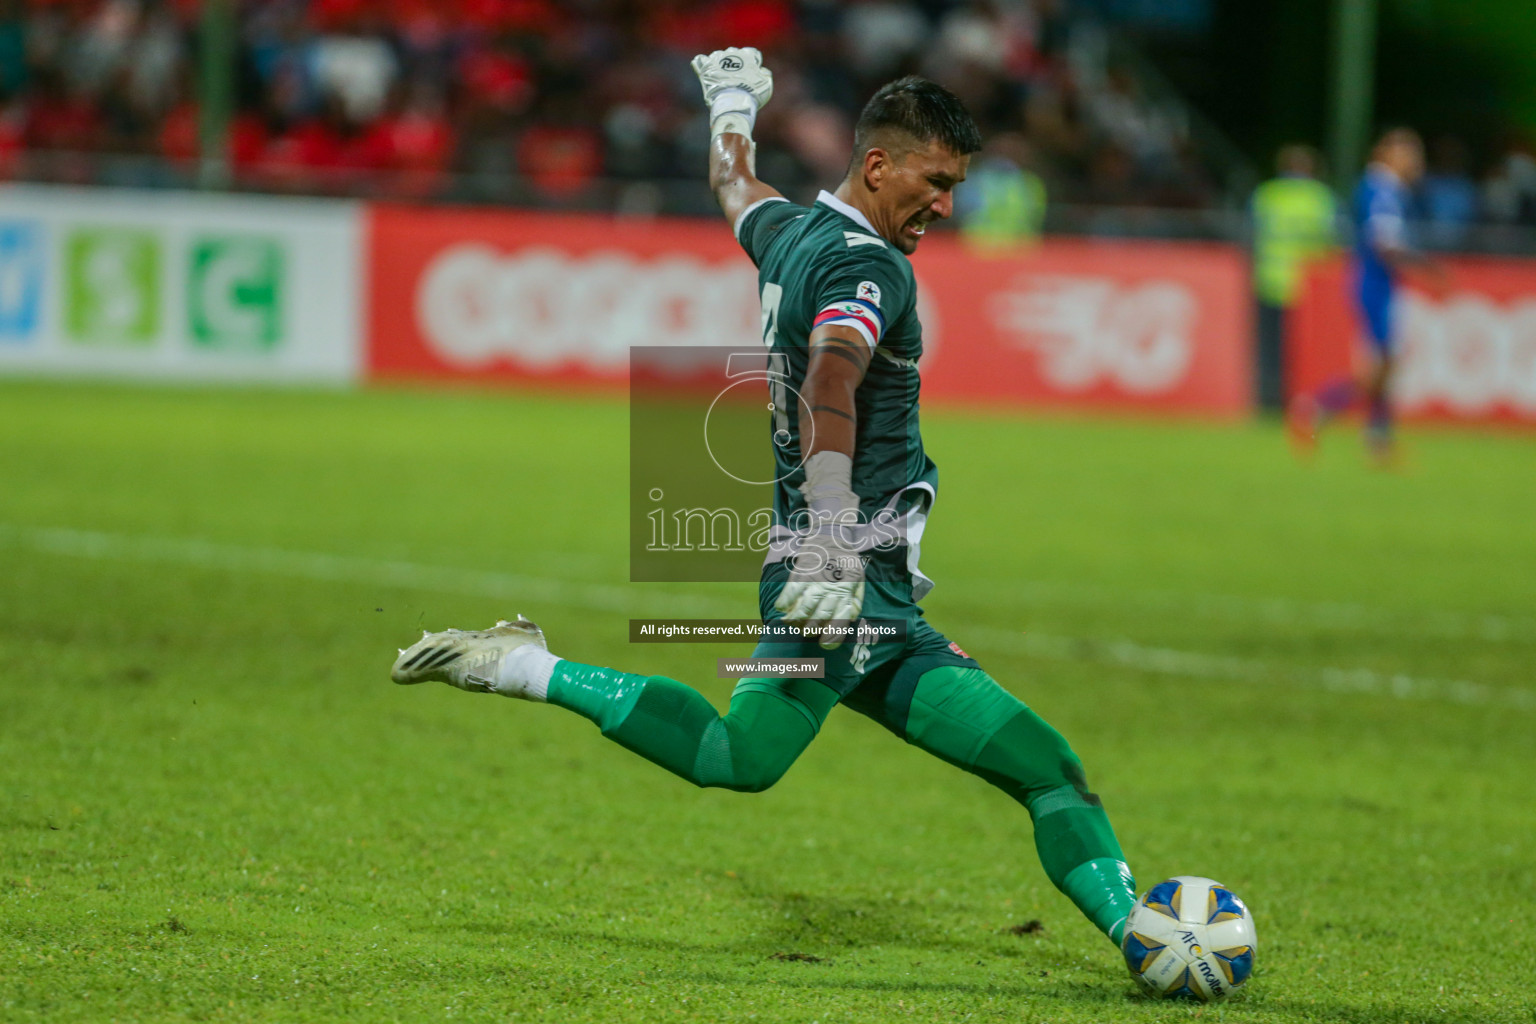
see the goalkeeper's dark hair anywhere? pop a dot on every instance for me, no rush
(923, 111)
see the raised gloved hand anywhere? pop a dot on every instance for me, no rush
(735, 85)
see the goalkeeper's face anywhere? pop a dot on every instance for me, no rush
(915, 189)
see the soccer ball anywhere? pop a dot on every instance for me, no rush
(1190, 937)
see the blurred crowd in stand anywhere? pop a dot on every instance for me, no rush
(592, 102)
(558, 102)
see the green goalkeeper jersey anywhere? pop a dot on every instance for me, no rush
(826, 265)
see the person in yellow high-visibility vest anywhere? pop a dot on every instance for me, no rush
(1002, 205)
(1294, 223)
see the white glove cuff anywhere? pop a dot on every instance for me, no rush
(734, 111)
(828, 486)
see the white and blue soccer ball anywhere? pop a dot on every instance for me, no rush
(1191, 938)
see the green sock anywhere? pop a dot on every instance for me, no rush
(672, 725)
(604, 695)
(963, 716)
(1105, 892)
(1081, 855)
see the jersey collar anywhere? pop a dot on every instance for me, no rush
(853, 214)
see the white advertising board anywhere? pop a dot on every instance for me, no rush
(106, 282)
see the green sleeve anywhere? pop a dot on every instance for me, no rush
(759, 226)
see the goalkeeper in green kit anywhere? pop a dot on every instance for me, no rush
(841, 327)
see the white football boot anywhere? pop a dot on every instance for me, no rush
(466, 658)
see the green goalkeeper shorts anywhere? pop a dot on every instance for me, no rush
(876, 678)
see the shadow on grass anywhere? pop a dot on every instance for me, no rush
(839, 929)
(829, 925)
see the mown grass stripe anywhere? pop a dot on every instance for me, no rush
(325, 567)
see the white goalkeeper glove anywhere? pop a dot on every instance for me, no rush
(736, 86)
(826, 585)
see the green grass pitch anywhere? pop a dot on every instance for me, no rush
(1313, 682)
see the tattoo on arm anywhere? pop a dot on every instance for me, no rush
(857, 355)
(831, 387)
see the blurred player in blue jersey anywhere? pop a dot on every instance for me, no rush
(1382, 255)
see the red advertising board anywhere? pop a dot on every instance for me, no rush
(1119, 325)
(516, 296)
(1467, 356)
(497, 295)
